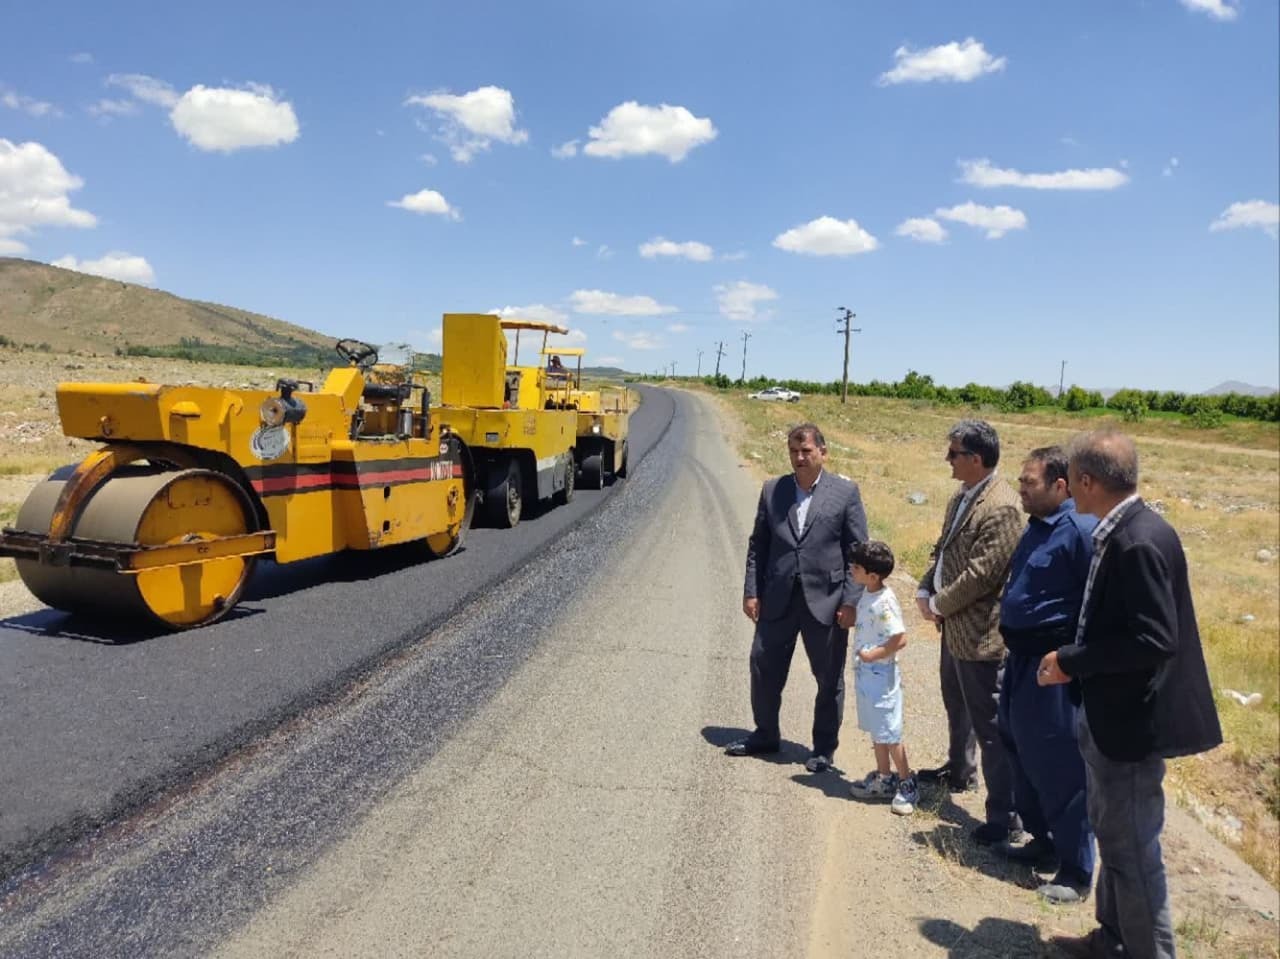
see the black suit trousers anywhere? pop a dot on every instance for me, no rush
(771, 653)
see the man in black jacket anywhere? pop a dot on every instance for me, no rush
(1139, 668)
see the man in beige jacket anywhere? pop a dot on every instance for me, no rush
(960, 592)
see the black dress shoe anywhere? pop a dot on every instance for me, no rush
(1038, 852)
(937, 775)
(990, 833)
(942, 775)
(750, 747)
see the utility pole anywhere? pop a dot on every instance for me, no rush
(719, 353)
(699, 373)
(673, 369)
(1061, 376)
(848, 319)
(745, 336)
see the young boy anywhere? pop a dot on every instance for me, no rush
(877, 638)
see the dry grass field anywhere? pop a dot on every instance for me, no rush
(1219, 488)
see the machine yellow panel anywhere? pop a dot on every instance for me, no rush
(475, 361)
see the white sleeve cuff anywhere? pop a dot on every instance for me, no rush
(933, 605)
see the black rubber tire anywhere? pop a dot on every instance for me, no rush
(565, 494)
(504, 500)
(621, 471)
(593, 472)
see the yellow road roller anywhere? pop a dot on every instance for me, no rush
(192, 484)
(603, 415)
(517, 421)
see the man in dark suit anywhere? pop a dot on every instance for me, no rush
(1139, 669)
(798, 581)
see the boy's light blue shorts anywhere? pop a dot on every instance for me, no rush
(878, 690)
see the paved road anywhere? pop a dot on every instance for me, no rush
(96, 723)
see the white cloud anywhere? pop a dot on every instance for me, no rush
(608, 360)
(996, 220)
(982, 173)
(690, 249)
(923, 229)
(223, 119)
(733, 257)
(603, 252)
(1217, 9)
(677, 328)
(34, 188)
(81, 58)
(534, 311)
(1171, 167)
(29, 105)
(639, 340)
(125, 267)
(107, 108)
(630, 129)
(565, 150)
(429, 159)
(472, 121)
(11, 247)
(601, 303)
(740, 301)
(952, 62)
(1251, 213)
(427, 341)
(145, 88)
(425, 202)
(578, 241)
(827, 236)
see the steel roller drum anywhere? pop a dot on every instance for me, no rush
(145, 506)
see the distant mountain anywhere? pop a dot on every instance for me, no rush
(1244, 389)
(67, 310)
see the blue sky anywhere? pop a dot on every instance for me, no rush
(992, 187)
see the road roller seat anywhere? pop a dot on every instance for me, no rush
(386, 392)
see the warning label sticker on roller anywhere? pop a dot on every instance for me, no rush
(269, 443)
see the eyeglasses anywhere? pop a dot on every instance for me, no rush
(952, 454)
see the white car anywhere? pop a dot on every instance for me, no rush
(776, 393)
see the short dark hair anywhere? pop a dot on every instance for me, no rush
(1054, 459)
(979, 437)
(1108, 456)
(875, 557)
(803, 430)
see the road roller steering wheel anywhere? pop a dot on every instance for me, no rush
(356, 353)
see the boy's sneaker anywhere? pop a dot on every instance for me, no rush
(906, 797)
(875, 787)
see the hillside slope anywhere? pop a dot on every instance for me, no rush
(42, 304)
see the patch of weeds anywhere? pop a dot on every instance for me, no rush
(1201, 928)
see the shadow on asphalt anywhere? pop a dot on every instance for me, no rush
(789, 752)
(990, 937)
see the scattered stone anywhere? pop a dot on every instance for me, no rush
(917, 499)
(1264, 556)
(1246, 618)
(1158, 506)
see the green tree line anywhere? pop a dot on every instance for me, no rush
(1132, 404)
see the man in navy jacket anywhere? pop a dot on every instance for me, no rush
(1140, 671)
(798, 582)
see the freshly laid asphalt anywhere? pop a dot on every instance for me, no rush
(97, 722)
